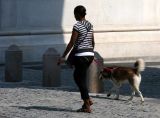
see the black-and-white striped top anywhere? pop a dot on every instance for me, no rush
(84, 43)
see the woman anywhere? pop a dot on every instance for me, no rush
(82, 39)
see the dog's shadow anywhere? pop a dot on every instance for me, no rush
(108, 98)
(46, 108)
(123, 101)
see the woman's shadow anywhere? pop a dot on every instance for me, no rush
(46, 108)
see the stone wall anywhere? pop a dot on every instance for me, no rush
(123, 28)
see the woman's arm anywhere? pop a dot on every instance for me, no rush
(71, 43)
(74, 37)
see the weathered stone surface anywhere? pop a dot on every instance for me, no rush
(51, 71)
(95, 85)
(13, 64)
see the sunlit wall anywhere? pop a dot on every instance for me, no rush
(123, 28)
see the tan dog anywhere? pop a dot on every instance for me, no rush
(119, 75)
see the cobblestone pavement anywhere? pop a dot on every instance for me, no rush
(28, 99)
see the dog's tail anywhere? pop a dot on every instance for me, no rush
(139, 65)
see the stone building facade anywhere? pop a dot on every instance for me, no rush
(124, 29)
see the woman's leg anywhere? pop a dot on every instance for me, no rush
(82, 64)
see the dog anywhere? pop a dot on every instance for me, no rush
(120, 75)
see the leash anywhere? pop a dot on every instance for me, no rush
(107, 69)
(98, 63)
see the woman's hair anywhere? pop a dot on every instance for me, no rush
(80, 10)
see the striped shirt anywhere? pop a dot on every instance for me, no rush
(84, 42)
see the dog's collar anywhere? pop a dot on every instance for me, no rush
(109, 70)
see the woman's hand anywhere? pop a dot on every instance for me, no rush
(61, 60)
(69, 47)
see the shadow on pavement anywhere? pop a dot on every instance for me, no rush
(47, 108)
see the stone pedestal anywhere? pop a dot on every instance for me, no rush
(51, 71)
(94, 83)
(13, 64)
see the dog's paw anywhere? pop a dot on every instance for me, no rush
(142, 101)
(130, 99)
(116, 98)
(108, 95)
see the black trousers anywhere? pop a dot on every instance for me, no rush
(81, 65)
